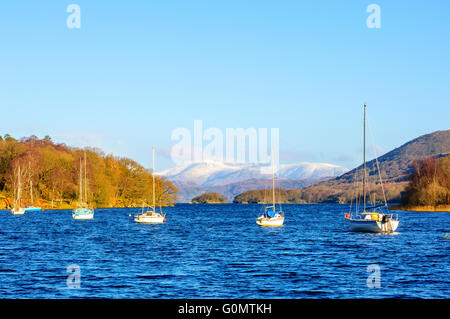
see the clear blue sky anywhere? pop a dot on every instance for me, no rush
(136, 70)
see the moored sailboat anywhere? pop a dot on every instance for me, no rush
(372, 219)
(151, 216)
(83, 211)
(18, 209)
(32, 208)
(271, 217)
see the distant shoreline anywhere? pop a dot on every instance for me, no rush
(95, 208)
(5, 205)
(195, 203)
(439, 208)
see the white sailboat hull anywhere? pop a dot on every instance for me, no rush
(149, 219)
(373, 226)
(83, 213)
(20, 211)
(83, 216)
(270, 222)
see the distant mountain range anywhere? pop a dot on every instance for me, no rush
(217, 173)
(193, 179)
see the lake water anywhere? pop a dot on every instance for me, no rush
(218, 251)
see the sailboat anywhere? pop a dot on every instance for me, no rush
(32, 208)
(83, 212)
(18, 210)
(151, 216)
(271, 217)
(375, 218)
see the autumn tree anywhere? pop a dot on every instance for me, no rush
(53, 171)
(429, 183)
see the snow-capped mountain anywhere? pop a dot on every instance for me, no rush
(210, 173)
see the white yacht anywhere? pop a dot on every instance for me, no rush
(375, 218)
(32, 208)
(271, 217)
(83, 211)
(151, 216)
(18, 209)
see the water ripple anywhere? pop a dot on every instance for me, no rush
(218, 251)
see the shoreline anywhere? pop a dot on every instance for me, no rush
(439, 208)
(74, 206)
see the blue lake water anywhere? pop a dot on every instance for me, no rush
(218, 251)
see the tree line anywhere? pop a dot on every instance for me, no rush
(429, 183)
(211, 197)
(51, 172)
(264, 196)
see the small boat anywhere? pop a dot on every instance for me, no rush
(271, 217)
(151, 216)
(18, 210)
(83, 212)
(32, 208)
(373, 219)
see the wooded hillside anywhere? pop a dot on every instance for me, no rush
(53, 171)
(209, 198)
(429, 184)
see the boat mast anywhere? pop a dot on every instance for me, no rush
(18, 191)
(85, 179)
(153, 177)
(81, 183)
(364, 157)
(14, 192)
(273, 182)
(31, 191)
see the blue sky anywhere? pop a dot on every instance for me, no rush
(136, 70)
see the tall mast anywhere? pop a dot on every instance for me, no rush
(153, 176)
(31, 191)
(273, 182)
(81, 181)
(18, 191)
(85, 180)
(364, 157)
(14, 192)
